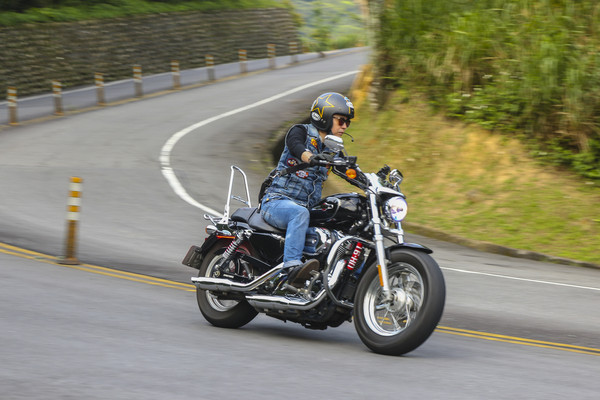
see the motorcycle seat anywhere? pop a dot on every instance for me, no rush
(254, 219)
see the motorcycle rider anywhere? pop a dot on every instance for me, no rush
(286, 202)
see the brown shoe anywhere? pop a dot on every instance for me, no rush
(300, 274)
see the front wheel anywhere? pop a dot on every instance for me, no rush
(219, 312)
(401, 325)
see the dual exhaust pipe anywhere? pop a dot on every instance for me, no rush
(260, 302)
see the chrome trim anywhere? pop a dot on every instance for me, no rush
(382, 189)
(211, 218)
(267, 303)
(234, 168)
(225, 285)
(335, 271)
(324, 240)
(335, 274)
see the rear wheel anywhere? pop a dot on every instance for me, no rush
(219, 312)
(403, 324)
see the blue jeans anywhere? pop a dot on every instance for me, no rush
(294, 218)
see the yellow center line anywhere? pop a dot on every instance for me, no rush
(33, 255)
(518, 340)
(150, 280)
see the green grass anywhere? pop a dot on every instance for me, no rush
(466, 181)
(526, 67)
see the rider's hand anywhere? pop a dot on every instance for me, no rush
(318, 159)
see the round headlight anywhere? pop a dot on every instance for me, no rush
(396, 209)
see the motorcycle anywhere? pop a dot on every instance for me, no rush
(393, 291)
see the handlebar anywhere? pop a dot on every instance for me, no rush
(340, 166)
(343, 163)
(383, 172)
(346, 161)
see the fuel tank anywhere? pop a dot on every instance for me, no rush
(338, 211)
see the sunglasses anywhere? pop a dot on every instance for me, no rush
(342, 121)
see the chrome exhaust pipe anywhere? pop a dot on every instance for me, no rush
(265, 303)
(225, 285)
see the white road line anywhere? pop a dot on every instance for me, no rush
(464, 271)
(165, 153)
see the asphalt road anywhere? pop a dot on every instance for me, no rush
(512, 328)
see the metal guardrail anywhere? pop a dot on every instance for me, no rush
(61, 102)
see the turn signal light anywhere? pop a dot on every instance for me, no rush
(351, 173)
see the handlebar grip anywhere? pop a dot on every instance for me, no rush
(383, 172)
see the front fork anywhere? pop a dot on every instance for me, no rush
(380, 249)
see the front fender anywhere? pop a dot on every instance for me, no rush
(409, 246)
(372, 259)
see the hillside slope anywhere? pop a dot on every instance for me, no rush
(465, 181)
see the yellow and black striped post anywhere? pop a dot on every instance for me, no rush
(73, 208)
(294, 52)
(176, 74)
(11, 97)
(210, 67)
(57, 94)
(243, 56)
(137, 80)
(271, 55)
(99, 79)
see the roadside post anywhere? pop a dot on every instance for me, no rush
(73, 208)
(294, 52)
(176, 74)
(210, 67)
(137, 80)
(57, 94)
(271, 55)
(11, 97)
(243, 56)
(99, 79)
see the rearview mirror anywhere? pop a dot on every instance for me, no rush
(334, 143)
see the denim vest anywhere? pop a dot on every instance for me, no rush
(303, 187)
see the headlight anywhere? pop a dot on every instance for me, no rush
(396, 209)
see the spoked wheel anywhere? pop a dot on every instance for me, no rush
(403, 323)
(220, 312)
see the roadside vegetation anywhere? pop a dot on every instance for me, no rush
(521, 68)
(329, 24)
(492, 111)
(466, 181)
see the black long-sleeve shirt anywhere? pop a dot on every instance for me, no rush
(295, 141)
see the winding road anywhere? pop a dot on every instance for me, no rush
(124, 324)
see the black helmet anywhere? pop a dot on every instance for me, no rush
(325, 106)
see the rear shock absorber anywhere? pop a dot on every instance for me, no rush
(240, 236)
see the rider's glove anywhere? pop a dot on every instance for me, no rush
(319, 158)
